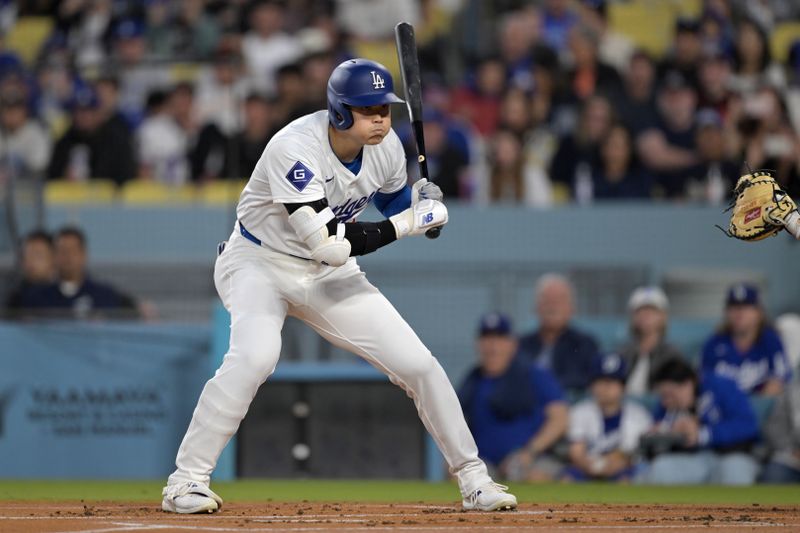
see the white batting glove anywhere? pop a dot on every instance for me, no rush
(425, 190)
(419, 218)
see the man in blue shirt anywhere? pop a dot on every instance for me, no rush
(556, 345)
(711, 425)
(515, 410)
(747, 350)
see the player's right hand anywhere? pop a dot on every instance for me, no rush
(419, 218)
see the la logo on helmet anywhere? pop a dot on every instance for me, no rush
(377, 81)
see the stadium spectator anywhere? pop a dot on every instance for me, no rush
(747, 349)
(447, 163)
(506, 168)
(220, 90)
(107, 88)
(615, 49)
(715, 76)
(556, 345)
(76, 294)
(266, 46)
(478, 100)
(290, 99)
(87, 32)
(668, 149)
(604, 430)
(769, 140)
(37, 272)
(516, 411)
(579, 151)
(587, 75)
(24, 145)
(248, 144)
(157, 34)
(558, 19)
(619, 176)
(316, 68)
(194, 33)
(782, 433)
(712, 179)
(519, 35)
(635, 104)
(90, 148)
(706, 425)
(647, 348)
(163, 143)
(686, 52)
(137, 76)
(753, 65)
(371, 20)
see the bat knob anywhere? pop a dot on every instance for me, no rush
(433, 233)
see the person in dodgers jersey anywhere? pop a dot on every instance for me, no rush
(292, 253)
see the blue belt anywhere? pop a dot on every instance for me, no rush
(255, 240)
(247, 235)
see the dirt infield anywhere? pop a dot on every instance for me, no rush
(51, 517)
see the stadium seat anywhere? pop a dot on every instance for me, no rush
(80, 192)
(650, 23)
(141, 192)
(27, 35)
(221, 192)
(782, 38)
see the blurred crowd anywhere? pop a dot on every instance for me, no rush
(549, 405)
(55, 283)
(531, 102)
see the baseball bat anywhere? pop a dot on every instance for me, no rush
(409, 72)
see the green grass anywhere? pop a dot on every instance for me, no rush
(398, 492)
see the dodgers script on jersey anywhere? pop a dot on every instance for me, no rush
(298, 165)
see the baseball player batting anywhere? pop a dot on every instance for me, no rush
(292, 252)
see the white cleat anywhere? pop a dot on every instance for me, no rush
(189, 498)
(490, 497)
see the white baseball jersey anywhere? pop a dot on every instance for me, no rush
(299, 165)
(586, 424)
(261, 285)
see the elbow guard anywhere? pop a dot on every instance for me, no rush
(311, 227)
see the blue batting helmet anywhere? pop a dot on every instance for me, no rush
(358, 83)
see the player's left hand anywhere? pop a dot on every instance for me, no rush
(425, 190)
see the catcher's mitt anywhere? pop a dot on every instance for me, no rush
(759, 207)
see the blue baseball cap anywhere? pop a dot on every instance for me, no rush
(743, 294)
(129, 29)
(608, 366)
(494, 324)
(84, 97)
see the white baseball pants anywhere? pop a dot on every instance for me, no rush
(260, 288)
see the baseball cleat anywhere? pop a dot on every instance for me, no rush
(490, 497)
(189, 498)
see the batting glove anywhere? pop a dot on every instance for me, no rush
(425, 190)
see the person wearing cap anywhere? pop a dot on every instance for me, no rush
(710, 426)
(686, 52)
(556, 345)
(712, 178)
(647, 349)
(91, 148)
(604, 430)
(24, 144)
(667, 149)
(515, 410)
(746, 348)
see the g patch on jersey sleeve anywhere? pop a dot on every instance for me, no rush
(299, 176)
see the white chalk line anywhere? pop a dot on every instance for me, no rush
(449, 527)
